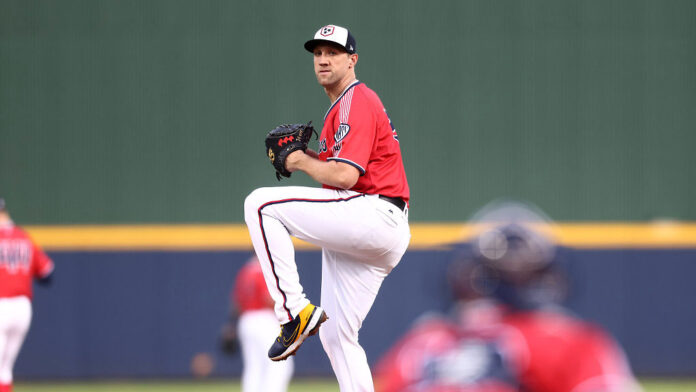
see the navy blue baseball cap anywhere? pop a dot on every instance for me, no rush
(333, 34)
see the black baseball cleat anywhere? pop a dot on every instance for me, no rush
(294, 332)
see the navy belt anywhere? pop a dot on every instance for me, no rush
(397, 201)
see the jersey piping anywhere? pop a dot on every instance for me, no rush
(357, 82)
(360, 168)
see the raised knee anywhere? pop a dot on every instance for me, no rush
(253, 202)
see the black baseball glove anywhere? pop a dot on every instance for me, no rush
(229, 341)
(283, 140)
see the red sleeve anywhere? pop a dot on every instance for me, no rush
(42, 265)
(250, 290)
(356, 130)
(241, 288)
(261, 289)
(603, 366)
(566, 353)
(402, 365)
(389, 372)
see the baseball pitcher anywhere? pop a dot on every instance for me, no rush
(359, 217)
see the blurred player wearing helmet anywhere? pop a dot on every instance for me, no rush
(21, 261)
(252, 324)
(509, 332)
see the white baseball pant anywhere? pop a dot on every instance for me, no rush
(256, 328)
(15, 318)
(363, 238)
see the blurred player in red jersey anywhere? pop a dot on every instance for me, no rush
(253, 324)
(509, 332)
(21, 260)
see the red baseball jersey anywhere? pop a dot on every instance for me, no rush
(567, 354)
(436, 356)
(535, 351)
(21, 260)
(357, 131)
(250, 292)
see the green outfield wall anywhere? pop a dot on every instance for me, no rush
(155, 111)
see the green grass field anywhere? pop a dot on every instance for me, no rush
(300, 385)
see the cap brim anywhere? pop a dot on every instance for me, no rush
(312, 43)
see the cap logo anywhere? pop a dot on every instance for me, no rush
(327, 30)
